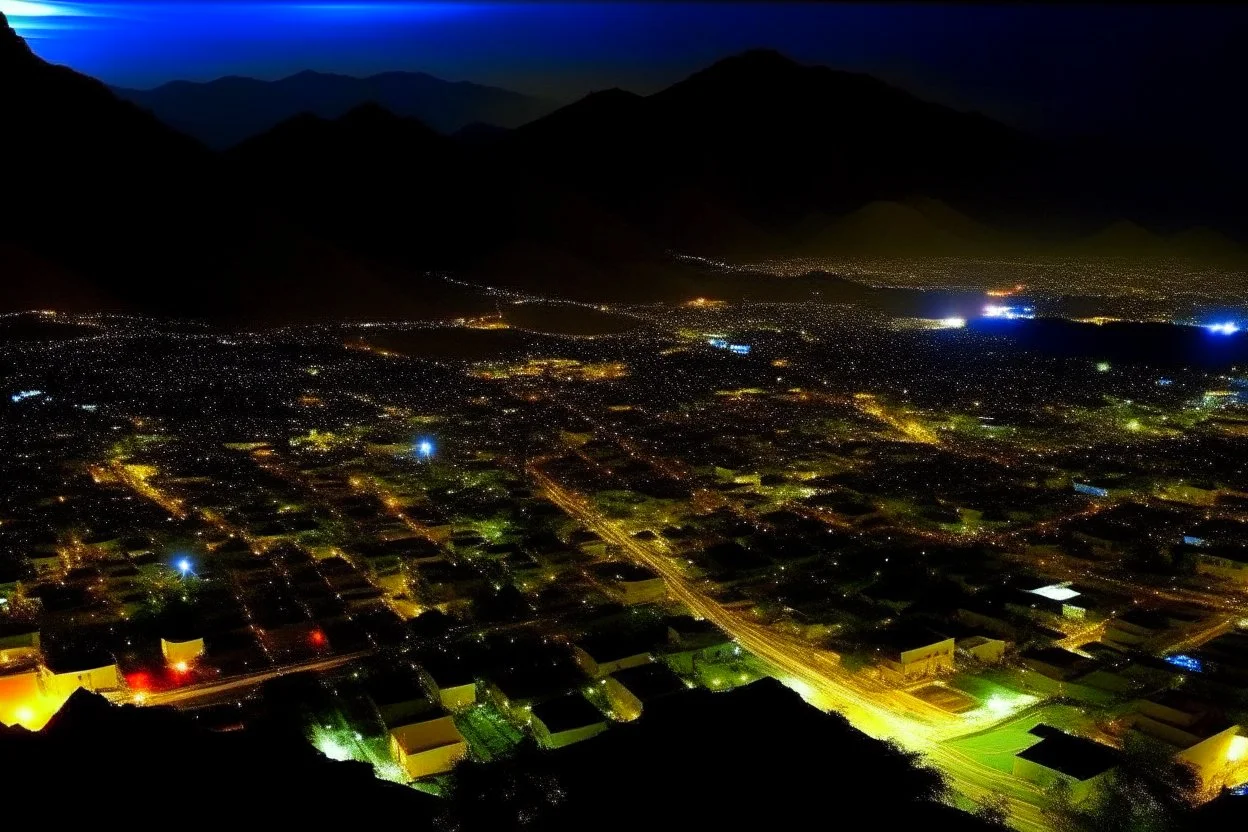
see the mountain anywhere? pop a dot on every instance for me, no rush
(771, 140)
(106, 207)
(226, 111)
(755, 156)
(1125, 239)
(893, 229)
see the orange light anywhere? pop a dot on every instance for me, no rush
(181, 667)
(317, 638)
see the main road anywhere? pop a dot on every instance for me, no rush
(189, 694)
(873, 708)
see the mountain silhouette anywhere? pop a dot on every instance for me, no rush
(755, 156)
(99, 194)
(224, 112)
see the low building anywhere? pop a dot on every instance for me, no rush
(427, 748)
(1199, 733)
(1226, 564)
(1056, 663)
(606, 652)
(19, 643)
(452, 683)
(565, 720)
(1204, 494)
(1060, 599)
(1136, 627)
(684, 632)
(629, 691)
(905, 654)
(400, 699)
(630, 583)
(63, 675)
(983, 649)
(181, 650)
(1079, 763)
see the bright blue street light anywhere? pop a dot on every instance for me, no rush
(184, 566)
(424, 448)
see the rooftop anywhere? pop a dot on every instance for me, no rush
(1073, 756)
(567, 713)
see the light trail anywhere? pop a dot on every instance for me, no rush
(873, 708)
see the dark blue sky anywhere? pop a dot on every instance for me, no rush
(1174, 71)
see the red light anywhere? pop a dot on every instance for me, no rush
(317, 638)
(140, 681)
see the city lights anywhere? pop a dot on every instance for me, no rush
(1009, 313)
(1186, 662)
(953, 323)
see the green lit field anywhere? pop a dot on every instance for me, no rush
(997, 746)
(489, 735)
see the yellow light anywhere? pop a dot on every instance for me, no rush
(1238, 749)
(25, 715)
(140, 698)
(181, 667)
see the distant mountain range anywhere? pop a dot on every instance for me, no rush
(226, 111)
(756, 156)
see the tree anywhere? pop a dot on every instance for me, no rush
(1149, 791)
(994, 809)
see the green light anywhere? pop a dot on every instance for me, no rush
(1102, 366)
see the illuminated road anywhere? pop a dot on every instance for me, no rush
(873, 708)
(206, 690)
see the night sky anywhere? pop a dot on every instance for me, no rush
(1166, 72)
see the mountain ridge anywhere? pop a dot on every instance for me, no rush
(753, 157)
(226, 111)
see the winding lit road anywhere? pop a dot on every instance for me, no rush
(873, 708)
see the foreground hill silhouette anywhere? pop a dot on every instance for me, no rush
(758, 754)
(226, 111)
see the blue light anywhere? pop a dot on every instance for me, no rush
(184, 565)
(1164, 382)
(739, 349)
(1192, 540)
(1186, 662)
(1224, 328)
(424, 448)
(1009, 313)
(25, 394)
(1090, 490)
(717, 343)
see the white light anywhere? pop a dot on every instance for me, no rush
(1226, 328)
(24, 8)
(1056, 592)
(953, 323)
(184, 565)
